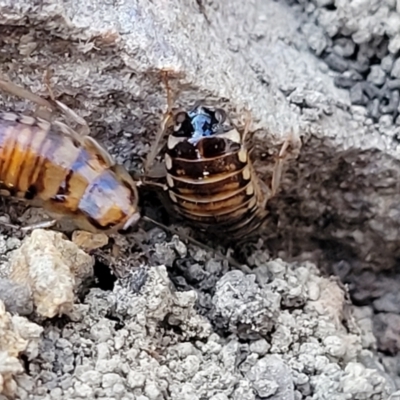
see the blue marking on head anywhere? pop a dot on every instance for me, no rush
(203, 123)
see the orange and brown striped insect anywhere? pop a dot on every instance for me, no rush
(210, 178)
(70, 175)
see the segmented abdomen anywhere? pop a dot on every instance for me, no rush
(37, 162)
(213, 186)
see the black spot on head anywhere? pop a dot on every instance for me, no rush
(184, 150)
(213, 147)
(186, 128)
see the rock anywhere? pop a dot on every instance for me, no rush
(336, 62)
(88, 241)
(396, 69)
(387, 303)
(17, 336)
(357, 95)
(387, 63)
(315, 38)
(271, 378)
(16, 298)
(241, 307)
(52, 268)
(377, 75)
(344, 47)
(386, 330)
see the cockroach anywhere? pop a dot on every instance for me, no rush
(69, 174)
(210, 179)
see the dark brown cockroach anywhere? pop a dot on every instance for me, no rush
(210, 178)
(69, 174)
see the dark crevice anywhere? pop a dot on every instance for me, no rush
(105, 280)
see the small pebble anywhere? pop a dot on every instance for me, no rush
(387, 63)
(389, 302)
(373, 109)
(385, 121)
(396, 69)
(152, 391)
(220, 396)
(394, 45)
(357, 95)
(344, 47)
(89, 241)
(377, 75)
(260, 347)
(336, 62)
(371, 90)
(110, 380)
(347, 79)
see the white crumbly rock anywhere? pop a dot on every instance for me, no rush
(18, 337)
(53, 268)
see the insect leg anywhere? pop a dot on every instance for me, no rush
(82, 134)
(41, 102)
(39, 225)
(144, 182)
(31, 227)
(83, 129)
(277, 173)
(166, 118)
(8, 225)
(195, 242)
(247, 125)
(22, 93)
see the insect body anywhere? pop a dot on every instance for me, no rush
(70, 176)
(210, 178)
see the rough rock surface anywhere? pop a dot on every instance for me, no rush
(52, 268)
(282, 333)
(338, 206)
(344, 183)
(17, 336)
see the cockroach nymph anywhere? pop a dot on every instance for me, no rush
(67, 173)
(210, 179)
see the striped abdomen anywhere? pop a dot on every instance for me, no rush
(39, 162)
(212, 184)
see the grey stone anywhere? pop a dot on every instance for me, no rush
(348, 79)
(389, 302)
(394, 45)
(393, 84)
(396, 69)
(393, 24)
(391, 107)
(344, 47)
(371, 90)
(387, 63)
(373, 109)
(260, 347)
(238, 300)
(17, 298)
(271, 378)
(315, 38)
(377, 75)
(336, 62)
(357, 95)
